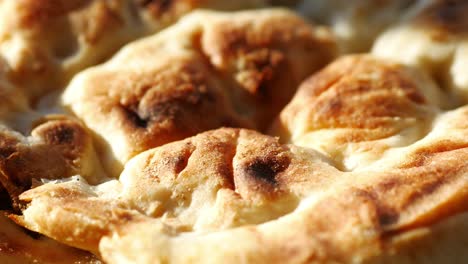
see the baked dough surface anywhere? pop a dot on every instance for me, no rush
(145, 132)
(240, 70)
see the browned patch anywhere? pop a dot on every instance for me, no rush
(166, 104)
(255, 61)
(386, 214)
(445, 18)
(68, 137)
(169, 105)
(173, 160)
(98, 19)
(265, 169)
(225, 167)
(156, 7)
(360, 92)
(363, 101)
(92, 18)
(423, 156)
(267, 57)
(416, 186)
(180, 162)
(261, 167)
(36, 12)
(260, 68)
(60, 134)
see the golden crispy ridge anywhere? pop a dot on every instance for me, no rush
(238, 69)
(357, 102)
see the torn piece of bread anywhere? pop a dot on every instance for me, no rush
(57, 147)
(209, 70)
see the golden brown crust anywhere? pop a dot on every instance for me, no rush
(90, 226)
(237, 69)
(349, 99)
(356, 102)
(170, 102)
(52, 38)
(243, 176)
(230, 185)
(384, 203)
(266, 56)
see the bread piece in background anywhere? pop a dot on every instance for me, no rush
(356, 23)
(45, 42)
(434, 37)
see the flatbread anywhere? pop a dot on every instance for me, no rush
(235, 195)
(238, 69)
